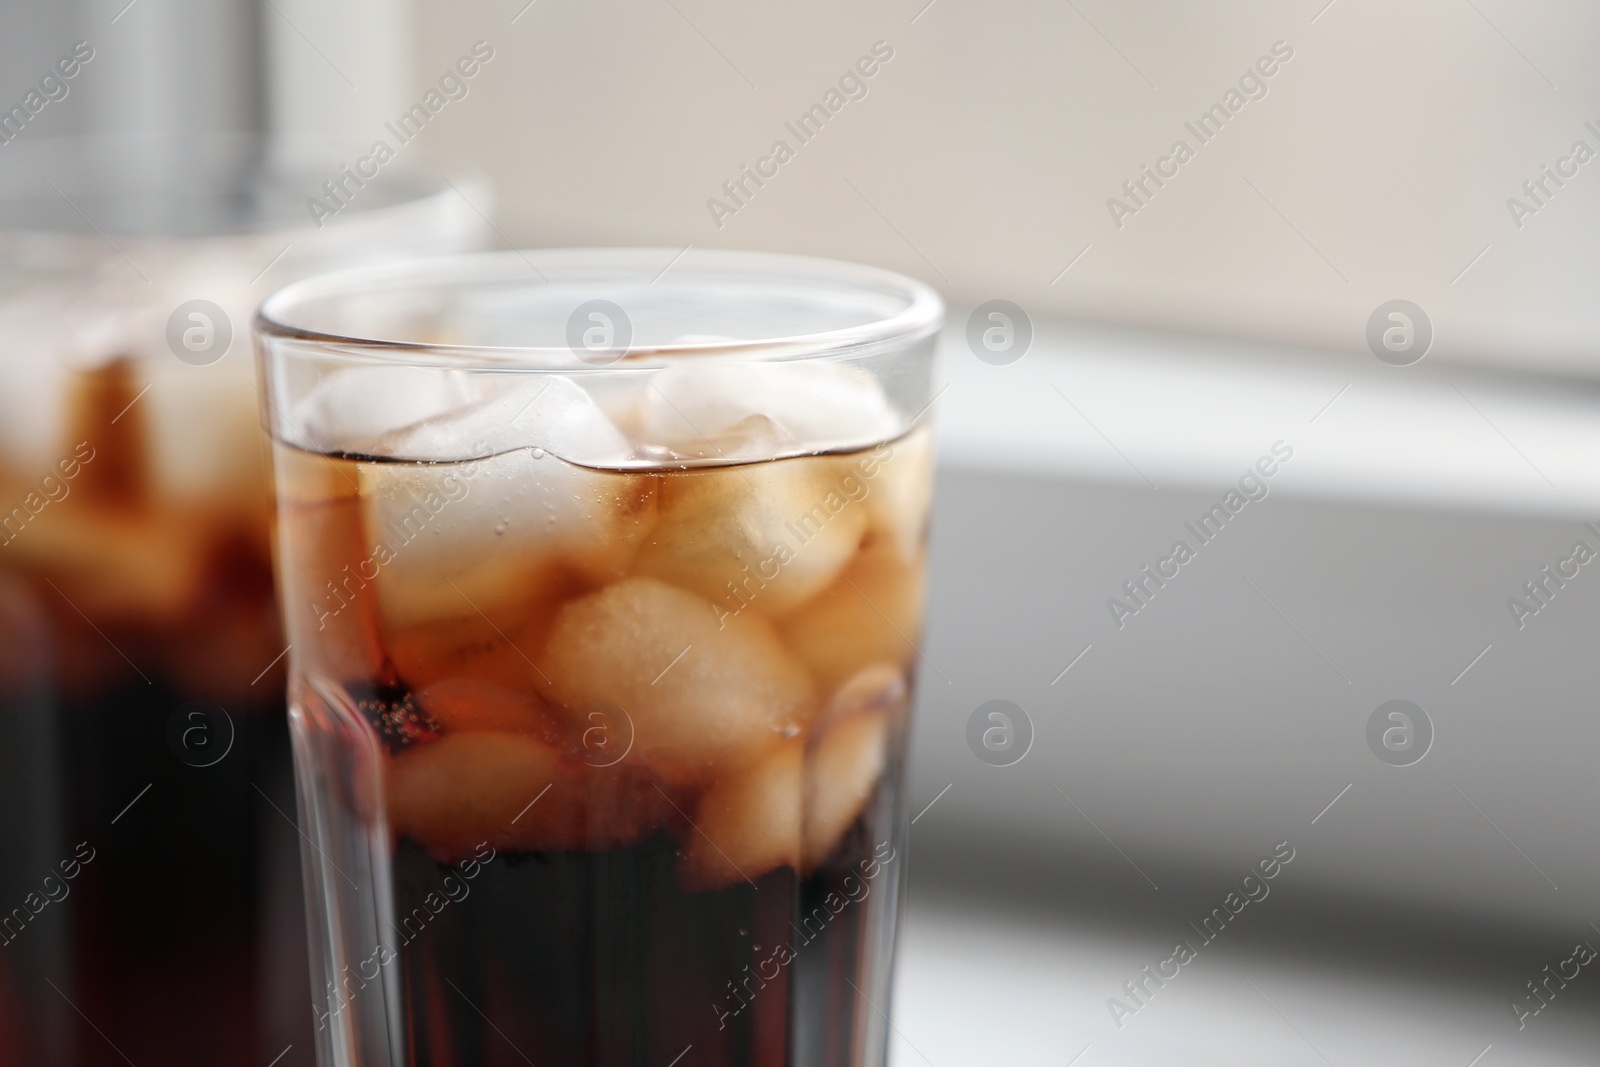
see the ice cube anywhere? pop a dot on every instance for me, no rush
(146, 568)
(332, 626)
(497, 647)
(451, 794)
(352, 408)
(439, 553)
(751, 439)
(900, 491)
(462, 704)
(460, 538)
(879, 687)
(201, 426)
(546, 411)
(748, 823)
(811, 406)
(515, 793)
(58, 326)
(841, 773)
(872, 614)
(513, 519)
(704, 695)
(768, 536)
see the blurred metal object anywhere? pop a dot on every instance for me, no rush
(302, 82)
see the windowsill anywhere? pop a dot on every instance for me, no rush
(1196, 412)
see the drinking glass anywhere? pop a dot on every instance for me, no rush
(150, 903)
(602, 573)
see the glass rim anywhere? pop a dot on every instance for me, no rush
(921, 315)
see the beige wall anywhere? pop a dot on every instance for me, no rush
(1377, 166)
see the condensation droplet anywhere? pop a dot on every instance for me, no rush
(536, 453)
(791, 731)
(500, 527)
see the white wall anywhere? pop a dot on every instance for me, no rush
(985, 152)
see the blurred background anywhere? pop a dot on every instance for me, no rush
(1171, 317)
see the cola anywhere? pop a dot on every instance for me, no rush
(601, 760)
(150, 899)
(145, 749)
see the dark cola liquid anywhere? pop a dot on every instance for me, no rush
(149, 893)
(600, 958)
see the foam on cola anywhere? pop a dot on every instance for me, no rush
(540, 552)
